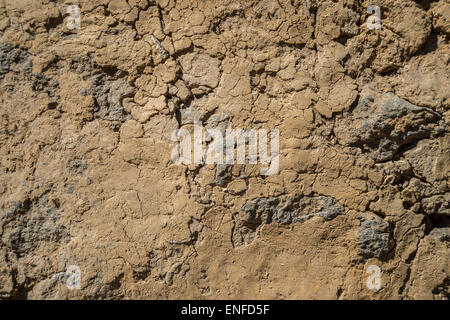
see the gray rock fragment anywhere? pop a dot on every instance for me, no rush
(283, 210)
(162, 52)
(27, 225)
(223, 175)
(77, 166)
(373, 238)
(382, 128)
(287, 210)
(9, 56)
(109, 95)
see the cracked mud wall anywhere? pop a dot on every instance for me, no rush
(86, 177)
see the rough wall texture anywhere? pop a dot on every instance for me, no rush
(86, 177)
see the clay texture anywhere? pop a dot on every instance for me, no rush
(86, 177)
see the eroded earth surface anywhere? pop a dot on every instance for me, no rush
(86, 177)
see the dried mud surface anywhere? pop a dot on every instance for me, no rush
(86, 177)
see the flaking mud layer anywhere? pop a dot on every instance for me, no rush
(86, 177)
